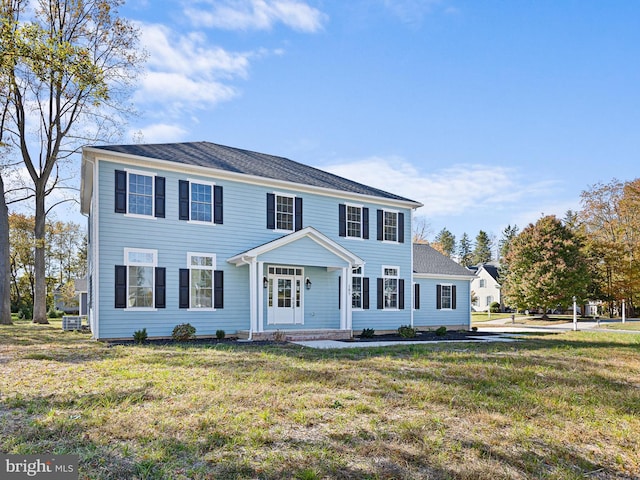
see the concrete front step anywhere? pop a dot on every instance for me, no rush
(296, 335)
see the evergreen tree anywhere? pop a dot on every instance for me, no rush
(508, 234)
(482, 250)
(465, 255)
(445, 242)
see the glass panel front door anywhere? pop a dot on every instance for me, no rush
(285, 296)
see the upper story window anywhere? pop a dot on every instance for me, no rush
(284, 212)
(201, 202)
(353, 221)
(139, 193)
(483, 283)
(391, 226)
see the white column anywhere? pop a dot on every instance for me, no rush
(253, 296)
(348, 295)
(575, 316)
(260, 306)
(343, 301)
(624, 313)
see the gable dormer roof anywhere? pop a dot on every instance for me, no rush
(428, 261)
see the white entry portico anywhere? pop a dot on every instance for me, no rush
(290, 276)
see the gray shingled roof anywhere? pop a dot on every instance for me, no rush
(206, 154)
(428, 260)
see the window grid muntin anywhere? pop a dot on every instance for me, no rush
(284, 212)
(354, 221)
(391, 283)
(201, 267)
(201, 202)
(390, 226)
(140, 265)
(445, 296)
(140, 194)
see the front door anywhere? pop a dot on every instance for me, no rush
(285, 295)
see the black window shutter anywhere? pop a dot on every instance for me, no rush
(218, 289)
(183, 198)
(184, 288)
(365, 293)
(217, 204)
(453, 297)
(438, 297)
(380, 225)
(342, 220)
(365, 223)
(401, 227)
(121, 192)
(298, 214)
(271, 211)
(416, 296)
(161, 287)
(160, 196)
(380, 293)
(401, 294)
(339, 293)
(121, 286)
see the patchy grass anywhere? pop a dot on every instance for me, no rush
(479, 317)
(556, 407)
(628, 325)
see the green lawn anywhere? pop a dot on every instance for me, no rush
(478, 317)
(564, 406)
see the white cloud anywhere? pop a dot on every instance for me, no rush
(452, 190)
(184, 72)
(256, 14)
(158, 133)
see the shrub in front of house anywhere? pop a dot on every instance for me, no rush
(220, 334)
(140, 336)
(441, 331)
(183, 332)
(407, 331)
(367, 333)
(494, 307)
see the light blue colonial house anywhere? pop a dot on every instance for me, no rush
(249, 243)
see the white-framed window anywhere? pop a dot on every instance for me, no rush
(285, 205)
(446, 297)
(354, 221)
(201, 267)
(140, 193)
(483, 283)
(390, 276)
(390, 226)
(356, 288)
(489, 300)
(140, 265)
(201, 201)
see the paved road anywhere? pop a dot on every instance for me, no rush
(504, 325)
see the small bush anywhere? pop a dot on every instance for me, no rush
(140, 336)
(183, 332)
(441, 331)
(220, 334)
(367, 333)
(494, 307)
(25, 312)
(406, 331)
(279, 336)
(474, 329)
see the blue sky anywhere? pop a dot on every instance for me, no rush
(488, 112)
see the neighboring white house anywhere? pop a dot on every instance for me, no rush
(485, 286)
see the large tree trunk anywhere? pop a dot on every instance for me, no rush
(40, 293)
(5, 261)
